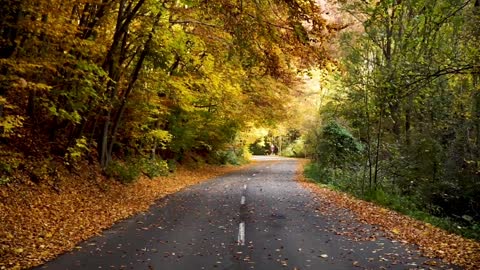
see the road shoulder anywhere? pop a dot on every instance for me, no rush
(39, 222)
(432, 241)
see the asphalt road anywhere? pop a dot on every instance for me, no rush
(257, 218)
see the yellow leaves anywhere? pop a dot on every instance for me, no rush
(208, 63)
(396, 231)
(159, 136)
(9, 123)
(77, 151)
(40, 86)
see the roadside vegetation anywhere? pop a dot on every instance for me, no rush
(135, 85)
(399, 123)
(102, 96)
(100, 100)
(434, 242)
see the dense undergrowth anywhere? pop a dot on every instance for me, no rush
(385, 196)
(432, 241)
(399, 116)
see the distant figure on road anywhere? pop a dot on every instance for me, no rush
(272, 149)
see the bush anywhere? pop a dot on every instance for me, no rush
(9, 162)
(387, 196)
(232, 156)
(315, 172)
(345, 180)
(154, 167)
(295, 149)
(76, 152)
(126, 172)
(172, 165)
(337, 146)
(227, 157)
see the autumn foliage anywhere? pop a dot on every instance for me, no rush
(40, 222)
(432, 241)
(112, 79)
(406, 89)
(129, 88)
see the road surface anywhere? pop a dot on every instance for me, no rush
(257, 218)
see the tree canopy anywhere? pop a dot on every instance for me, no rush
(407, 87)
(116, 78)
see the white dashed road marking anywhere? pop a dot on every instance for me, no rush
(241, 234)
(241, 227)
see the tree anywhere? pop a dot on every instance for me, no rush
(164, 79)
(409, 88)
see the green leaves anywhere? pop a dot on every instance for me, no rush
(409, 91)
(76, 152)
(336, 145)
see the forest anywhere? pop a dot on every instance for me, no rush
(382, 96)
(399, 122)
(138, 85)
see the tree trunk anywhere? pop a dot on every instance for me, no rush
(112, 65)
(377, 154)
(104, 159)
(476, 76)
(9, 21)
(395, 113)
(91, 16)
(408, 119)
(369, 141)
(131, 84)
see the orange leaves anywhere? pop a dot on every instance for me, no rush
(38, 223)
(432, 241)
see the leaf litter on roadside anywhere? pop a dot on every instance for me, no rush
(39, 223)
(432, 241)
